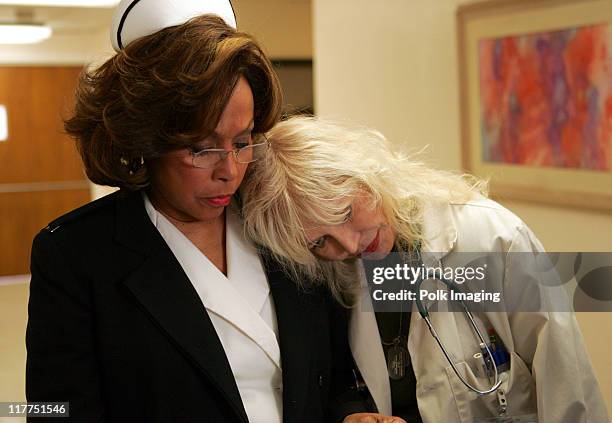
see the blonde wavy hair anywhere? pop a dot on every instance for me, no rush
(311, 174)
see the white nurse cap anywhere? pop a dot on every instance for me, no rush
(136, 18)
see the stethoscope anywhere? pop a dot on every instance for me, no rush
(483, 343)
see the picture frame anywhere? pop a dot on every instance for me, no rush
(557, 175)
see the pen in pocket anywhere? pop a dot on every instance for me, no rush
(498, 351)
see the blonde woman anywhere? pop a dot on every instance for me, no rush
(327, 193)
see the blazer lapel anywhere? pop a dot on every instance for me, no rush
(160, 285)
(293, 314)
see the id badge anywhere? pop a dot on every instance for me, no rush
(525, 418)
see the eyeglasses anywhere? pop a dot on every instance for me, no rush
(210, 157)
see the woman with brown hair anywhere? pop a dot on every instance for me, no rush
(149, 304)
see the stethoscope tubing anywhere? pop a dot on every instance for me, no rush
(425, 315)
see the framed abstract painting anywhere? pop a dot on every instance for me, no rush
(536, 99)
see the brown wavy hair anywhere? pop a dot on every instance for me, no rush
(164, 92)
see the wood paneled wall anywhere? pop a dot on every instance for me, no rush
(41, 175)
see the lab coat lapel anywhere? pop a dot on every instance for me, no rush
(428, 361)
(162, 288)
(368, 353)
(439, 232)
(440, 236)
(294, 312)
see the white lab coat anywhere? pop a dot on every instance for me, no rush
(241, 310)
(560, 387)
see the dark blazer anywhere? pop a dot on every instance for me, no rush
(116, 328)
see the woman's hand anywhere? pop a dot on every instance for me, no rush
(372, 418)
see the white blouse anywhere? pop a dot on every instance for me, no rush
(241, 310)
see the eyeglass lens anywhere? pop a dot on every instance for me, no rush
(243, 155)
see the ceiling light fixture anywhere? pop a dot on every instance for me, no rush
(64, 3)
(23, 33)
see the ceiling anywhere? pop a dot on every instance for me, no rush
(76, 19)
(282, 26)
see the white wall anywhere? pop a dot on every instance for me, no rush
(393, 65)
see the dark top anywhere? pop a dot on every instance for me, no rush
(403, 391)
(116, 328)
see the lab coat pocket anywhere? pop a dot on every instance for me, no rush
(517, 386)
(520, 390)
(469, 405)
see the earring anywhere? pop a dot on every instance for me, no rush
(132, 167)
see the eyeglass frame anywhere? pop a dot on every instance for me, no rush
(222, 153)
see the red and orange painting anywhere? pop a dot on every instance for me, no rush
(546, 98)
